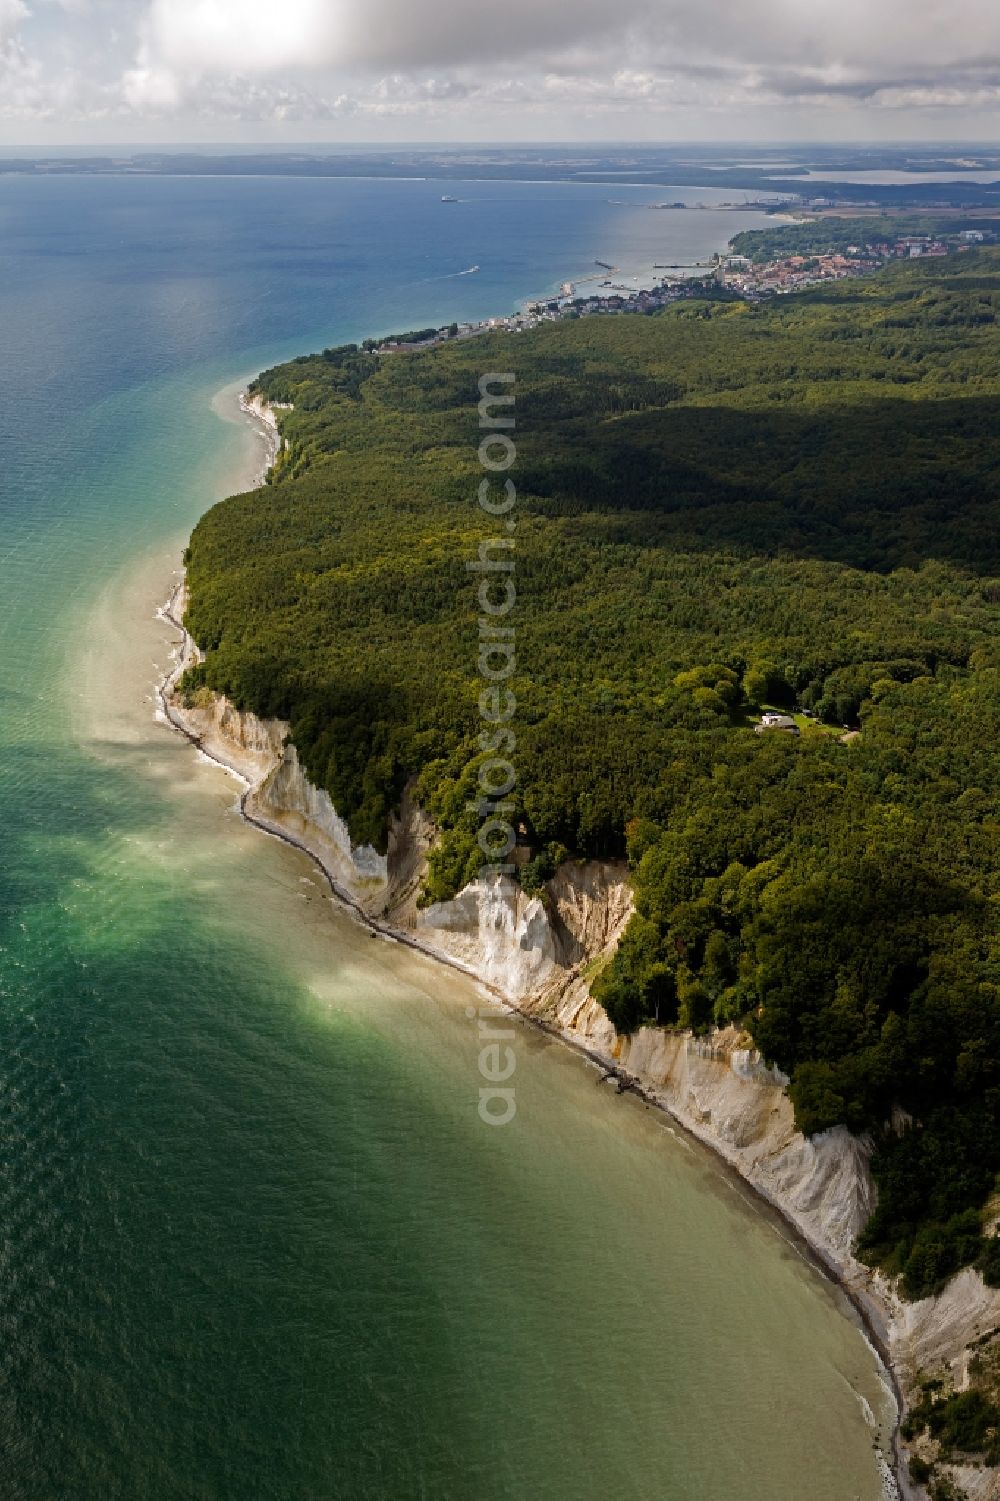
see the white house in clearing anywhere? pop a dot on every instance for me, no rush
(773, 721)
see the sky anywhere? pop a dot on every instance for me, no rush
(77, 72)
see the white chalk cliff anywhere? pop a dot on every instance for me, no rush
(539, 954)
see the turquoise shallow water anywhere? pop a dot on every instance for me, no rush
(254, 1240)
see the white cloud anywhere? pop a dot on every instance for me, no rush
(242, 36)
(855, 36)
(150, 86)
(12, 13)
(260, 36)
(461, 62)
(406, 55)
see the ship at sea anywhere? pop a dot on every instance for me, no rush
(447, 198)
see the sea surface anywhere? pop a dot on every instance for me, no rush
(255, 1242)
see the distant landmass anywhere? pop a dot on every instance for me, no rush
(794, 172)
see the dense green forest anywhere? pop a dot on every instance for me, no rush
(721, 506)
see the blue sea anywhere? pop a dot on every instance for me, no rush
(255, 1242)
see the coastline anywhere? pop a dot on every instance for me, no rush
(262, 420)
(873, 1315)
(278, 1112)
(899, 1342)
(186, 655)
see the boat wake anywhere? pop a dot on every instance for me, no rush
(447, 276)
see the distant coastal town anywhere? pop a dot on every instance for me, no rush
(737, 276)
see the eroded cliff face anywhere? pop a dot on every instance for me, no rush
(540, 954)
(722, 1091)
(279, 796)
(265, 411)
(288, 800)
(974, 1484)
(520, 944)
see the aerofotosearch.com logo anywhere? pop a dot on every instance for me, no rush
(497, 596)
